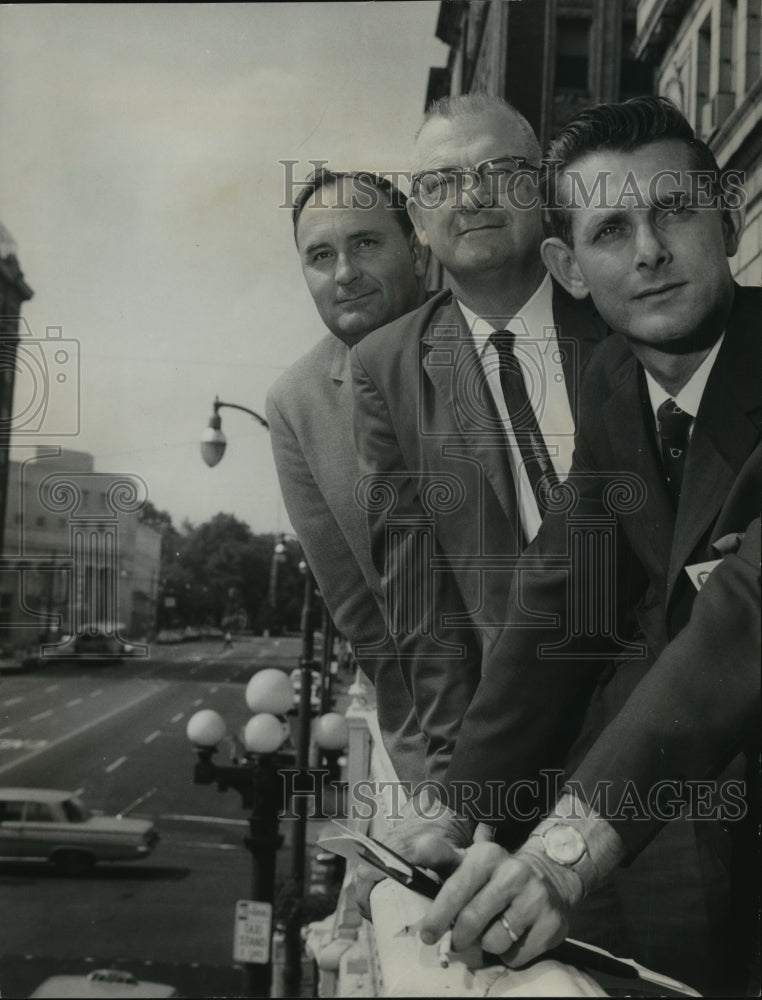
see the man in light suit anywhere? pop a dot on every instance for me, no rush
(453, 465)
(364, 267)
(671, 411)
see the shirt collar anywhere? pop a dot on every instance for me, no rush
(689, 397)
(535, 314)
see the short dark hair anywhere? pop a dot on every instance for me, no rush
(621, 128)
(323, 177)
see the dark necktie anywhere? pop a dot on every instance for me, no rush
(673, 424)
(523, 420)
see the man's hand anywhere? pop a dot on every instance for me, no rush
(431, 837)
(525, 890)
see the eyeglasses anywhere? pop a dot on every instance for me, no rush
(432, 187)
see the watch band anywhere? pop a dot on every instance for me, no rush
(563, 844)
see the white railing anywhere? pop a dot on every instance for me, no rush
(387, 957)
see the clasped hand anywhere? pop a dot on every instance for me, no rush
(490, 883)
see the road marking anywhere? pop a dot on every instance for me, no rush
(137, 802)
(94, 694)
(73, 702)
(17, 744)
(213, 690)
(197, 702)
(176, 718)
(115, 764)
(154, 735)
(83, 728)
(203, 843)
(8, 729)
(205, 819)
(52, 688)
(41, 715)
(12, 701)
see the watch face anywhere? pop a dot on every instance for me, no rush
(564, 844)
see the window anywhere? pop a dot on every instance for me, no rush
(572, 53)
(74, 811)
(10, 811)
(38, 812)
(635, 75)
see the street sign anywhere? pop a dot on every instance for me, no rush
(252, 931)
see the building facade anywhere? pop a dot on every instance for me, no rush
(546, 57)
(707, 60)
(14, 291)
(76, 552)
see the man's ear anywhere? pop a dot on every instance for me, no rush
(420, 255)
(415, 212)
(562, 264)
(732, 226)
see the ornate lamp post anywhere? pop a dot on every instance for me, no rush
(257, 778)
(213, 443)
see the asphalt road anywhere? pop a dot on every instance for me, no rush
(116, 735)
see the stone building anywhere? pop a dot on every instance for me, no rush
(546, 57)
(13, 292)
(76, 552)
(707, 60)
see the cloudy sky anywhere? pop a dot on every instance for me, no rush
(140, 179)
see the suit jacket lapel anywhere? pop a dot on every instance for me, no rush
(451, 363)
(725, 433)
(580, 323)
(628, 421)
(341, 376)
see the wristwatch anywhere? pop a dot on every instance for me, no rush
(566, 846)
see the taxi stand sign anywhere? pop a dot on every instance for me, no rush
(252, 932)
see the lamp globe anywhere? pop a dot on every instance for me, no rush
(205, 728)
(270, 691)
(264, 733)
(331, 731)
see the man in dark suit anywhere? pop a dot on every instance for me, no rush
(666, 480)
(463, 405)
(364, 267)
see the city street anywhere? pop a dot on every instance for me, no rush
(115, 734)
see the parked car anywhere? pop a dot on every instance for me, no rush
(102, 983)
(54, 826)
(95, 641)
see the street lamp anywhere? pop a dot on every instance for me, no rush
(213, 441)
(257, 778)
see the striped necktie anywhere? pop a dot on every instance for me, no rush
(523, 419)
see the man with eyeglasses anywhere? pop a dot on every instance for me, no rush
(648, 844)
(364, 267)
(464, 409)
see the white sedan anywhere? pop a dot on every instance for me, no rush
(51, 825)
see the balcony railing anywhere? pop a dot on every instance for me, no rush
(387, 958)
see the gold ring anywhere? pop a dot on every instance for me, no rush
(511, 932)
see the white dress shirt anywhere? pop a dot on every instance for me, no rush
(689, 397)
(537, 351)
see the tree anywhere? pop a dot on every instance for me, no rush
(218, 573)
